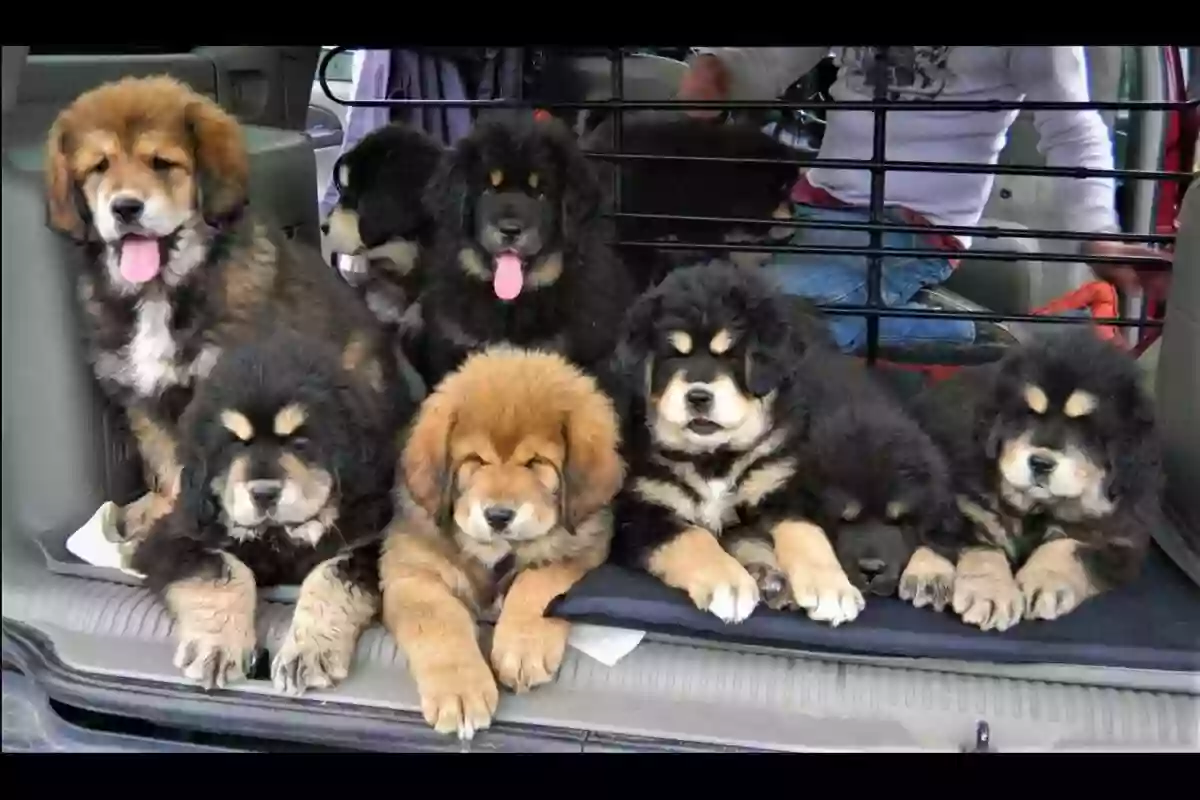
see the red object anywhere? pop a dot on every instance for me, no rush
(1098, 297)
(541, 114)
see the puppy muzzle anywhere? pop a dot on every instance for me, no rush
(873, 555)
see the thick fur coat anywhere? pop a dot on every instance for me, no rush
(288, 462)
(1057, 474)
(151, 178)
(762, 463)
(521, 253)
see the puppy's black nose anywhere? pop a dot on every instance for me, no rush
(1040, 465)
(509, 229)
(870, 567)
(324, 227)
(265, 495)
(698, 399)
(498, 517)
(127, 209)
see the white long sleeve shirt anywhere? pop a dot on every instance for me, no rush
(1066, 138)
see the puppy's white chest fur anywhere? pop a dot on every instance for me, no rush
(712, 502)
(149, 363)
(717, 503)
(151, 352)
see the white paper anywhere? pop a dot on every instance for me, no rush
(92, 544)
(606, 645)
(353, 268)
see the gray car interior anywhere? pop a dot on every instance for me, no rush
(64, 455)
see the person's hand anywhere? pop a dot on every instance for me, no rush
(706, 79)
(1127, 277)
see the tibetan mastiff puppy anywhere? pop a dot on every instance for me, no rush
(522, 251)
(882, 487)
(507, 478)
(760, 461)
(150, 179)
(699, 189)
(288, 464)
(380, 219)
(1057, 474)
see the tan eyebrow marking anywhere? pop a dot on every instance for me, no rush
(237, 423)
(1036, 399)
(1080, 404)
(289, 418)
(681, 341)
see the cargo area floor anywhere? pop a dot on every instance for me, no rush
(675, 692)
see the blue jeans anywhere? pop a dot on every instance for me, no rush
(842, 279)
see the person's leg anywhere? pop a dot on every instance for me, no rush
(841, 279)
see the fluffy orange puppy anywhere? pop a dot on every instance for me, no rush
(507, 476)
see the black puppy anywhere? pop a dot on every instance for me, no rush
(1057, 475)
(738, 457)
(288, 463)
(704, 189)
(521, 253)
(380, 219)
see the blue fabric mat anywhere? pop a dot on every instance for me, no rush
(1151, 624)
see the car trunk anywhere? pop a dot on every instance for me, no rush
(99, 645)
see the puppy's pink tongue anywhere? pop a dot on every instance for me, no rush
(141, 259)
(507, 279)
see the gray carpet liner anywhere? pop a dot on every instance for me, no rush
(666, 689)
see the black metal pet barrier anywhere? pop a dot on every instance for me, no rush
(878, 165)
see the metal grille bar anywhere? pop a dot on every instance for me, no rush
(878, 165)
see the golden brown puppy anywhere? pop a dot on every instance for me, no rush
(150, 179)
(508, 473)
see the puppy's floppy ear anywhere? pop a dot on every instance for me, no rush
(1002, 391)
(579, 182)
(632, 357)
(201, 437)
(768, 357)
(222, 163)
(195, 492)
(774, 342)
(428, 473)
(766, 366)
(336, 173)
(592, 470)
(1134, 455)
(448, 193)
(63, 201)
(196, 501)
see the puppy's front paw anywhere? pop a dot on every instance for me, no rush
(459, 697)
(988, 600)
(773, 586)
(1048, 593)
(307, 662)
(928, 580)
(527, 652)
(216, 660)
(724, 588)
(827, 595)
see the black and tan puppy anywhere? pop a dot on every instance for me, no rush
(880, 486)
(288, 465)
(508, 475)
(704, 190)
(732, 419)
(1057, 475)
(150, 178)
(380, 219)
(521, 252)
